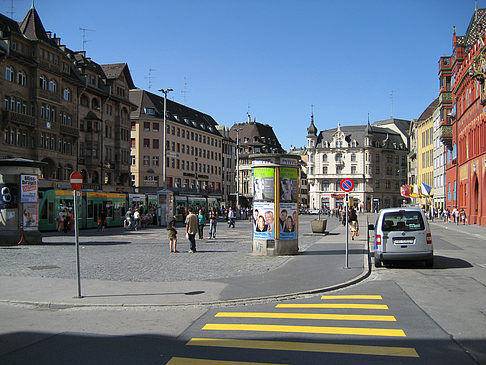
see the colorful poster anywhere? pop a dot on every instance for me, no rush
(264, 220)
(288, 221)
(28, 188)
(30, 218)
(263, 183)
(288, 185)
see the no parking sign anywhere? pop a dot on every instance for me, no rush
(347, 185)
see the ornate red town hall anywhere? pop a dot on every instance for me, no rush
(463, 119)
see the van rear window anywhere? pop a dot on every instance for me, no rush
(403, 221)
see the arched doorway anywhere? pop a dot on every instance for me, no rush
(475, 199)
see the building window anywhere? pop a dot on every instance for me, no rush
(324, 158)
(146, 160)
(9, 73)
(353, 157)
(43, 82)
(155, 144)
(146, 143)
(21, 78)
(53, 86)
(155, 127)
(132, 160)
(67, 94)
(146, 126)
(353, 169)
(339, 157)
(339, 169)
(325, 185)
(324, 170)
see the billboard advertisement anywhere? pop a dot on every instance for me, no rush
(263, 220)
(263, 183)
(288, 184)
(288, 221)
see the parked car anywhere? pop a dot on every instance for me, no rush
(402, 234)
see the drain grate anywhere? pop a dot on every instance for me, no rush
(46, 267)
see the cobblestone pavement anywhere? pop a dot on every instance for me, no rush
(144, 256)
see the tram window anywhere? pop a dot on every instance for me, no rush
(43, 213)
(90, 209)
(109, 210)
(51, 212)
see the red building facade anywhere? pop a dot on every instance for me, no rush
(464, 126)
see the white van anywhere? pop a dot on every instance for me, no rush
(402, 234)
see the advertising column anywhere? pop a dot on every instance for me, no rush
(263, 202)
(288, 210)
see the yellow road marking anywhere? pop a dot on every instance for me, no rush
(378, 297)
(306, 329)
(338, 317)
(306, 346)
(191, 361)
(334, 305)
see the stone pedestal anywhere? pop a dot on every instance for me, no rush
(319, 225)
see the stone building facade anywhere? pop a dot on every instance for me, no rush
(62, 108)
(373, 156)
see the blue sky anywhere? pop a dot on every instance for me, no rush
(273, 58)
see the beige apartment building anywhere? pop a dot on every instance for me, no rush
(193, 147)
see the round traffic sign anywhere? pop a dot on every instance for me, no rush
(76, 180)
(347, 185)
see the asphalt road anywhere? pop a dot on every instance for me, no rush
(438, 317)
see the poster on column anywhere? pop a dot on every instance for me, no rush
(28, 192)
(30, 219)
(264, 220)
(263, 183)
(288, 185)
(288, 221)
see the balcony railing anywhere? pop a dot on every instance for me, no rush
(17, 118)
(446, 135)
(70, 131)
(445, 97)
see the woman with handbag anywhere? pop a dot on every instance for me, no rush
(172, 235)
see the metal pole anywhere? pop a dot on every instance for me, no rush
(76, 241)
(347, 231)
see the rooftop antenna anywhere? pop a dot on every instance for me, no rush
(12, 11)
(391, 98)
(150, 77)
(184, 91)
(84, 30)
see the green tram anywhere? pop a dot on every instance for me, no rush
(51, 202)
(183, 202)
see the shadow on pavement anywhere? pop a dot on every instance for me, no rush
(440, 262)
(42, 348)
(332, 252)
(90, 243)
(196, 292)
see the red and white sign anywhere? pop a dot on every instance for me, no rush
(347, 185)
(76, 180)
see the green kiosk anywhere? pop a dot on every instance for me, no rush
(275, 181)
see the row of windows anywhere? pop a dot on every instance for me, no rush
(17, 137)
(180, 148)
(180, 164)
(180, 132)
(21, 78)
(13, 104)
(48, 142)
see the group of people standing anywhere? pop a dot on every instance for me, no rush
(64, 220)
(457, 215)
(194, 225)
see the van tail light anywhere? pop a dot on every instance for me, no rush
(429, 239)
(378, 240)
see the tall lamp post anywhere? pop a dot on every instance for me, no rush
(164, 182)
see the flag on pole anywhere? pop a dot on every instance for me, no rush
(425, 189)
(415, 192)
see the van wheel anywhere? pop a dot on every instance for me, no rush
(377, 262)
(429, 263)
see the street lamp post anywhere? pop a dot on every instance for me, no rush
(164, 167)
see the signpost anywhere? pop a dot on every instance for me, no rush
(347, 185)
(76, 181)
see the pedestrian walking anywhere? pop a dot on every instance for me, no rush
(213, 220)
(200, 227)
(231, 218)
(192, 223)
(463, 216)
(353, 222)
(172, 235)
(102, 221)
(60, 220)
(457, 216)
(136, 219)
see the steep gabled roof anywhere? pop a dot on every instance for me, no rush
(32, 28)
(114, 70)
(429, 110)
(475, 28)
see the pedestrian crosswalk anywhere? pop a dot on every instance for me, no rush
(300, 328)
